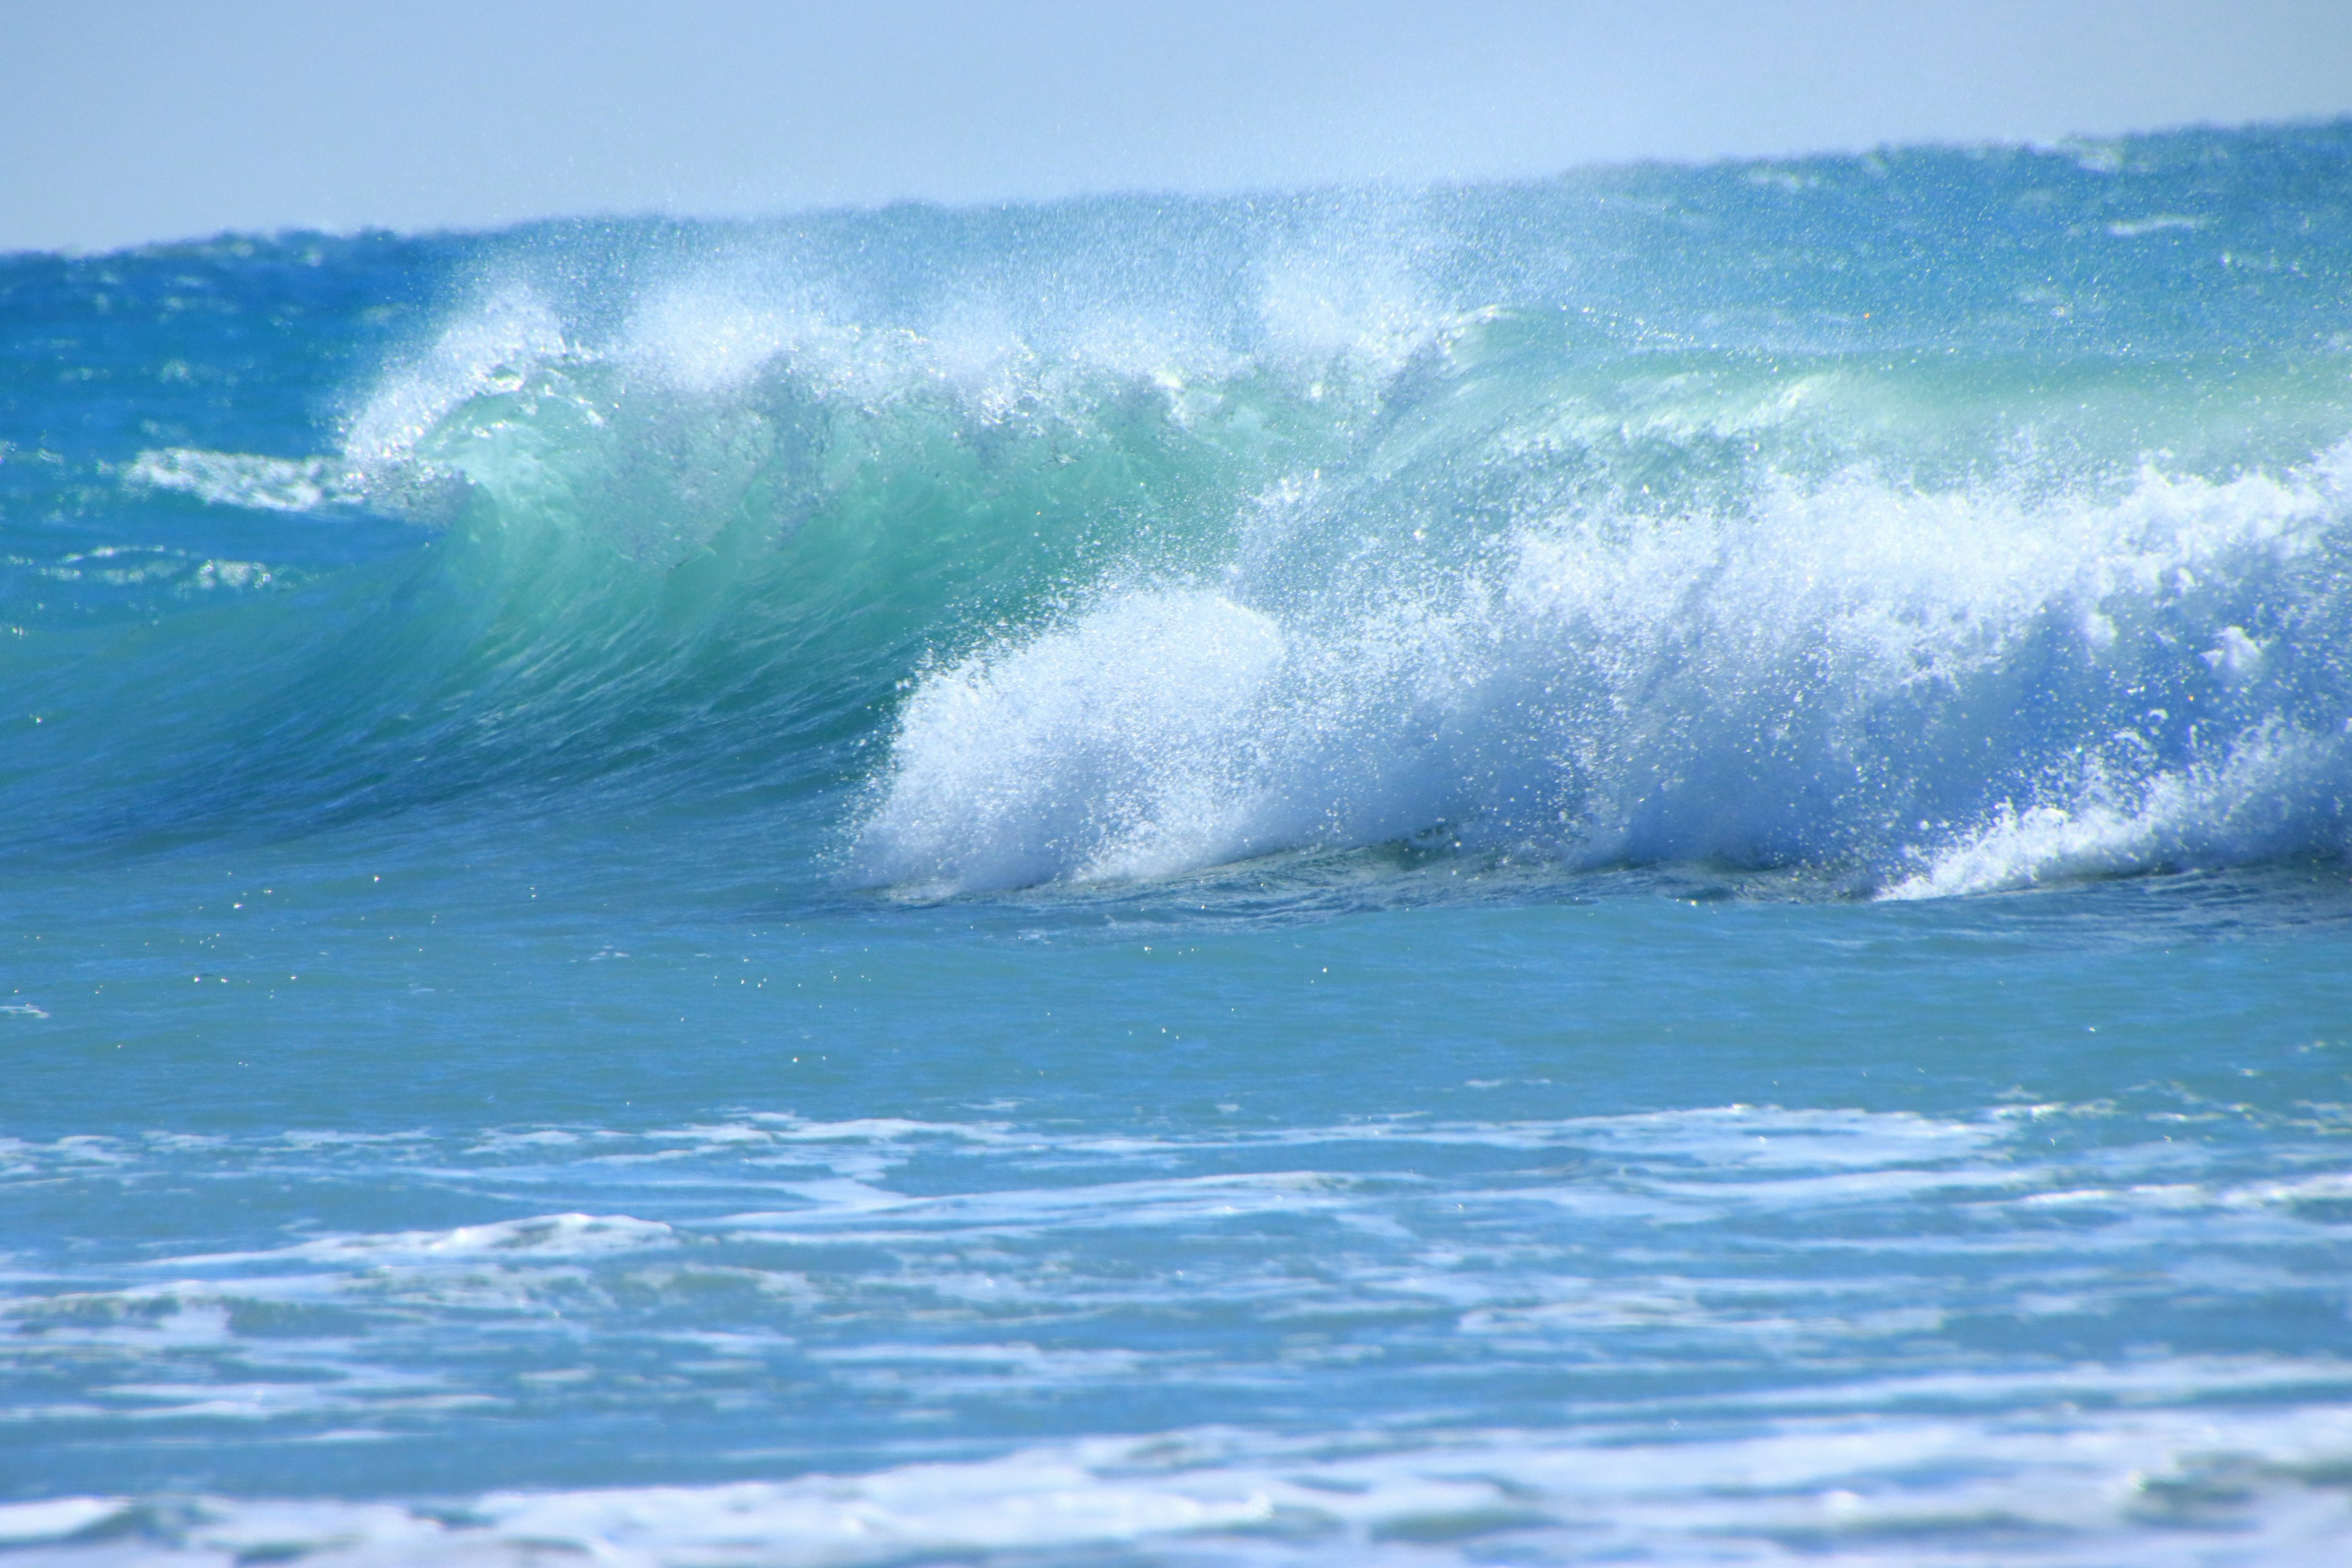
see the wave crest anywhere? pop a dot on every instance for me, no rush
(1939, 691)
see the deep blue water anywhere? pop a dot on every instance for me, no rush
(1650, 868)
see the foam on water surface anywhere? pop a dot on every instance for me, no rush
(2156, 1489)
(1660, 1278)
(1643, 866)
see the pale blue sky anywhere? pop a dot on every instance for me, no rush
(123, 122)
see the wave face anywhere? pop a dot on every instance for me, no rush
(1929, 522)
(520, 1042)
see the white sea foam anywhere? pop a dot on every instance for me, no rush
(1541, 1244)
(245, 479)
(542, 1235)
(2213, 1487)
(1804, 681)
(2259, 798)
(494, 348)
(34, 1522)
(138, 566)
(1120, 746)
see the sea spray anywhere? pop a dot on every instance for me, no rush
(1136, 539)
(1641, 866)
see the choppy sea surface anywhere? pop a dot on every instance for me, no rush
(1650, 868)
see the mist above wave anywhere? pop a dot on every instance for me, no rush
(1125, 539)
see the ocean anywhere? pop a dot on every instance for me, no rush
(1645, 868)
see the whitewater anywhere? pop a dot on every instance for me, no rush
(1654, 866)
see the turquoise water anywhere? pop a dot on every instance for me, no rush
(1650, 868)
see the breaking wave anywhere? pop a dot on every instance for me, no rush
(1127, 539)
(1961, 691)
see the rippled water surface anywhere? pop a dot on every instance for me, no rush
(1644, 869)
